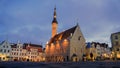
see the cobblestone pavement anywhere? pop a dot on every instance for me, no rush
(60, 65)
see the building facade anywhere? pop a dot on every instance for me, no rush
(34, 52)
(5, 50)
(68, 45)
(18, 53)
(115, 41)
(21, 52)
(99, 51)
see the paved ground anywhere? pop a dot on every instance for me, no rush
(105, 64)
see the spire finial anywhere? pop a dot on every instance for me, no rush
(54, 17)
(55, 12)
(55, 7)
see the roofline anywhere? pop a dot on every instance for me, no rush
(115, 33)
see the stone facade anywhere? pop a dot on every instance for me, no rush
(68, 45)
(115, 40)
(77, 44)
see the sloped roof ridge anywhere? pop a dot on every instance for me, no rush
(63, 34)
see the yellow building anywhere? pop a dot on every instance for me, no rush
(99, 51)
(68, 45)
(91, 50)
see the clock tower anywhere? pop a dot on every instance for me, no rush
(54, 24)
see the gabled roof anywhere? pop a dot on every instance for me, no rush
(115, 33)
(14, 46)
(4, 42)
(63, 35)
(32, 45)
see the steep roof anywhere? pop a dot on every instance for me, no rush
(54, 19)
(115, 33)
(5, 41)
(32, 45)
(63, 35)
(14, 46)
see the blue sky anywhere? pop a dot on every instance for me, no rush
(30, 20)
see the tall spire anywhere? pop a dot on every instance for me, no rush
(55, 12)
(54, 17)
(54, 24)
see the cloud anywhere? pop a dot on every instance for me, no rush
(29, 20)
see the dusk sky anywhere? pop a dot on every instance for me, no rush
(30, 20)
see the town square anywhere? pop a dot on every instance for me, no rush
(59, 34)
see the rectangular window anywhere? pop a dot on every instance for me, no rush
(3, 46)
(116, 37)
(4, 50)
(117, 49)
(116, 43)
(8, 50)
(0, 50)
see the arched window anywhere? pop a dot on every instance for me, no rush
(52, 49)
(65, 45)
(47, 49)
(58, 48)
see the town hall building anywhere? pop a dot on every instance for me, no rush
(68, 45)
